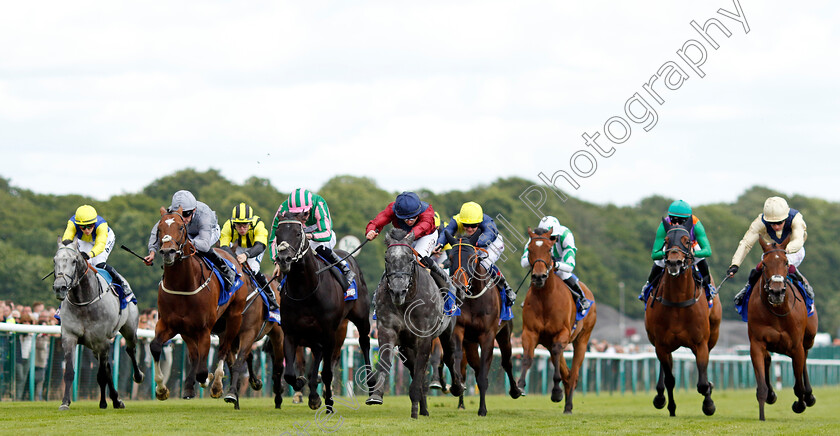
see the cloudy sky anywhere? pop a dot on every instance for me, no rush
(101, 98)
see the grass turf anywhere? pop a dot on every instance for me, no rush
(737, 413)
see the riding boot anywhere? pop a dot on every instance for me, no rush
(335, 259)
(655, 272)
(117, 277)
(739, 297)
(269, 293)
(705, 277)
(228, 274)
(798, 275)
(438, 274)
(510, 296)
(577, 293)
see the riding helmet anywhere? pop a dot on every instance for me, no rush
(776, 209)
(679, 208)
(408, 205)
(85, 215)
(471, 213)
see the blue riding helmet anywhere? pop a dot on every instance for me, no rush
(408, 205)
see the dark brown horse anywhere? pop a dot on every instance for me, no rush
(678, 315)
(778, 322)
(188, 303)
(548, 319)
(313, 307)
(479, 323)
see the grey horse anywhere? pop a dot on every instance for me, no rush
(91, 316)
(410, 314)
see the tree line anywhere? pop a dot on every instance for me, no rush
(614, 242)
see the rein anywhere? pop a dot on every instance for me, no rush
(414, 264)
(490, 282)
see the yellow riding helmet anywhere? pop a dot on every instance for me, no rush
(85, 215)
(471, 213)
(242, 213)
(776, 209)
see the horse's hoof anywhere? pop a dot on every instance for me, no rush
(482, 412)
(64, 407)
(230, 398)
(434, 384)
(413, 415)
(119, 404)
(444, 389)
(188, 397)
(515, 393)
(297, 398)
(556, 395)
(456, 390)
(216, 393)
(103, 405)
(709, 407)
(374, 400)
(771, 397)
(138, 378)
(315, 403)
(810, 400)
(162, 394)
(567, 412)
(256, 385)
(659, 401)
(299, 383)
(798, 406)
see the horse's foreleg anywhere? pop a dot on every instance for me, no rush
(289, 352)
(68, 344)
(666, 365)
(771, 392)
(378, 380)
(529, 342)
(162, 335)
(810, 400)
(448, 349)
(503, 339)
(483, 371)
(561, 374)
(579, 344)
(109, 379)
(798, 358)
(327, 372)
(417, 391)
(194, 362)
(704, 386)
(102, 378)
(759, 356)
(317, 359)
(277, 358)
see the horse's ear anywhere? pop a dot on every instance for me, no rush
(409, 238)
(449, 238)
(531, 232)
(764, 246)
(162, 211)
(59, 242)
(474, 238)
(686, 241)
(785, 243)
(666, 224)
(388, 239)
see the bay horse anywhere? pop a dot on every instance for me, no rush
(480, 320)
(410, 316)
(678, 315)
(91, 316)
(549, 319)
(188, 304)
(313, 308)
(778, 322)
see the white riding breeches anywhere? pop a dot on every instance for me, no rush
(494, 250)
(102, 257)
(426, 244)
(329, 244)
(796, 259)
(253, 262)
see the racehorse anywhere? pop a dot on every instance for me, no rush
(549, 319)
(410, 314)
(313, 308)
(254, 326)
(91, 316)
(678, 315)
(778, 322)
(188, 304)
(479, 323)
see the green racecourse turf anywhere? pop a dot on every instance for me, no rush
(737, 413)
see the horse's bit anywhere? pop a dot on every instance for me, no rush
(302, 248)
(776, 279)
(403, 273)
(74, 282)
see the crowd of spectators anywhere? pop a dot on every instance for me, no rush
(35, 314)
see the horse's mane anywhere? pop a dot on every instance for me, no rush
(540, 230)
(397, 234)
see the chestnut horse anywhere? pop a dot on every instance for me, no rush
(313, 308)
(479, 323)
(548, 319)
(188, 303)
(678, 315)
(778, 322)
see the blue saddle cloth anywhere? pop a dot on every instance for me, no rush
(273, 316)
(449, 307)
(225, 294)
(711, 291)
(506, 312)
(809, 303)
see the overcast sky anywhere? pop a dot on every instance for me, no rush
(102, 98)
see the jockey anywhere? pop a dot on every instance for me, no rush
(407, 212)
(777, 223)
(563, 252)
(96, 240)
(679, 213)
(470, 220)
(245, 233)
(202, 229)
(318, 228)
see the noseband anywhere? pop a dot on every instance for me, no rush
(304, 243)
(403, 273)
(76, 280)
(776, 279)
(549, 265)
(183, 241)
(678, 246)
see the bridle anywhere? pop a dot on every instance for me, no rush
(182, 242)
(684, 264)
(76, 280)
(548, 265)
(411, 274)
(302, 249)
(465, 286)
(776, 279)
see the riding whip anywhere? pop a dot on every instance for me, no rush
(260, 290)
(725, 278)
(343, 258)
(132, 252)
(45, 277)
